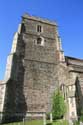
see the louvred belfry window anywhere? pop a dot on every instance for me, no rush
(39, 28)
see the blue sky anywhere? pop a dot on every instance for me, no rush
(67, 13)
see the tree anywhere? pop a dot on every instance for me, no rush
(58, 105)
(81, 114)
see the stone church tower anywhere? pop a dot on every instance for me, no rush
(35, 68)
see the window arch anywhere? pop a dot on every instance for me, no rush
(40, 41)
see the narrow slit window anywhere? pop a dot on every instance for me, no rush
(39, 28)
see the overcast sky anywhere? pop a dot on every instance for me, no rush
(67, 13)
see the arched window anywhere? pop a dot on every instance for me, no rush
(40, 41)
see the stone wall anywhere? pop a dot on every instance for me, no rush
(2, 96)
(75, 91)
(40, 65)
(34, 71)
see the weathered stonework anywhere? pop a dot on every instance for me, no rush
(35, 68)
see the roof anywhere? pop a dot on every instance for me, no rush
(73, 58)
(1, 81)
(74, 61)
(75, 64)
(27, 16)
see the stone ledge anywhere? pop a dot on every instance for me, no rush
(27, 16)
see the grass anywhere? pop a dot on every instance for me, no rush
(60, 122)
(32, 122)
(39, 122)
(35, 122)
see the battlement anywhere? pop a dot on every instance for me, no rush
(42, 20)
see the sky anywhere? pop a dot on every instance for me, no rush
(67, 13)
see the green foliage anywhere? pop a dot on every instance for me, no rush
(58, 106)
(76, 123)
(49, 124)
(81, 115)
(81, 118)
(40, 122)
(48, 116)
(31, 122)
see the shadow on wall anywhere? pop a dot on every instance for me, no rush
(15, 106)
(79, 97)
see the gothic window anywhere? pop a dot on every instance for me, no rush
(39, 28)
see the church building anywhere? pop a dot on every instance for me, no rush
(36, 67)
